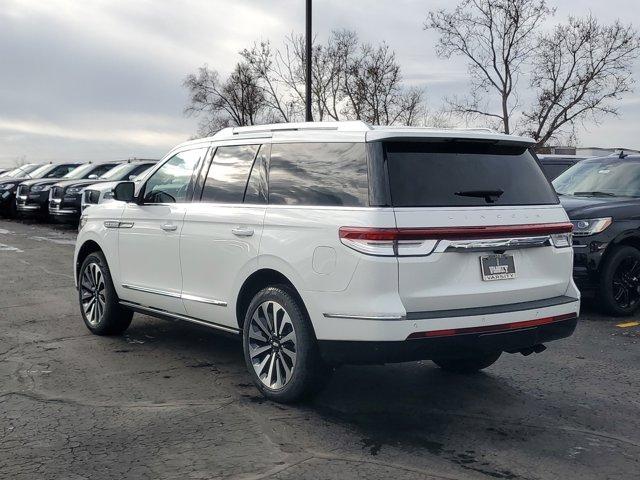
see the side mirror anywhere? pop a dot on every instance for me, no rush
(125, 192)
(93, 176)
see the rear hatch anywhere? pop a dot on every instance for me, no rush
(479, 225)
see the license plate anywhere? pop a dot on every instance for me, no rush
(497, 267)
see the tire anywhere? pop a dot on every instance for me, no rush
(619, 274)
(283, 359)
(469, 364)
(101, 311)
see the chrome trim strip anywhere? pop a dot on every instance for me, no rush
(115, 223)
(62, 211)
(480, 245)
(163, 313)
(364, 317)
(195, 298)
(151, 290)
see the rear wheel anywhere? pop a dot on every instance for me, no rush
(468, 364)
(280, 348)
(101, 311)
(620, 281)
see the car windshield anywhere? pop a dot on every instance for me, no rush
(41, 171)
(21, 171)
(118, 172)
(601, 177)
(80, 172)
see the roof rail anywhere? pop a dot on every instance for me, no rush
(351, 126)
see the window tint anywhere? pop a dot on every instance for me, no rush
(425, 174)
(257, 185)
(171, 183)
(322, 174)
(228, 173)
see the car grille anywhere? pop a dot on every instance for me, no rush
(23, 190)
(57, 192)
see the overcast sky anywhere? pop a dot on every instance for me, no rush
(101, 79)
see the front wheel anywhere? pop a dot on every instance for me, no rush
(468, 364)
(280, 348)
(101, 311)
(620, 281)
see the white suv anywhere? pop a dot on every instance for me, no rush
(330, 243)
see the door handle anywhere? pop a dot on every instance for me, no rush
(242, 231)
(169, 227)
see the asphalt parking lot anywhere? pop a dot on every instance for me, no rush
(173, 400)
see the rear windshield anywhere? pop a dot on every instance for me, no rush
(461, 174)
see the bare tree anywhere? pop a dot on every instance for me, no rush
(495, 36)
(373, 87)
(237, 101)
(350, 80)
(282, 76)
(578, 71)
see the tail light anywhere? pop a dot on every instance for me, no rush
(389, 242)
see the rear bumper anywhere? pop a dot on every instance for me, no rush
(453, 345)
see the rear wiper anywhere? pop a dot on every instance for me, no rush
(488, 195)
(595, 193)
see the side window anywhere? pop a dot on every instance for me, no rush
(228, 173)
(102, 169)
(60, 171)
(257, 185)
(321, 174)
(137, 171)
(171, 182)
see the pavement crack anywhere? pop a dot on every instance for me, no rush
(42, 398)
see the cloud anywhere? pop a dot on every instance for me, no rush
(104, 78)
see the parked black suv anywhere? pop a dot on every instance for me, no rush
(9, 184)
(554, 165)
(602, 198)
(65, 201)
(33, 195)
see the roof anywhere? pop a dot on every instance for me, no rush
(357, 129)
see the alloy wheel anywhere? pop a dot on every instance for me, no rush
(92, 293)
(626, 283)
(272, 345)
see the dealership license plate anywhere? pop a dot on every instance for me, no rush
(497, 267)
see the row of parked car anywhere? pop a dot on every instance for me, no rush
(61, 191)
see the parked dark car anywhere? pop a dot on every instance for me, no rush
(554, 165)
(9, 184)
(33, 195)
(20, 172)
(65, 201)
(602, 198)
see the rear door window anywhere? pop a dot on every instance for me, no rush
(228, 174)
(318, 174)
(459, 174)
